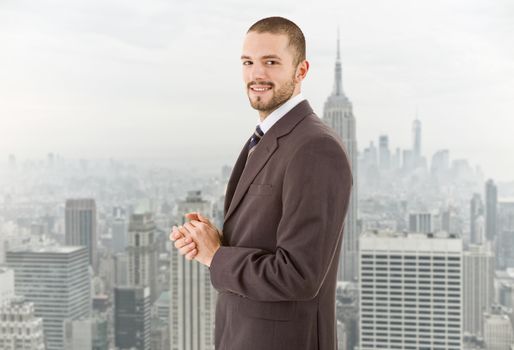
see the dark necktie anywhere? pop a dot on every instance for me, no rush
(254, 140)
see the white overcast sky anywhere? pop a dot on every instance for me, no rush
(162, 79)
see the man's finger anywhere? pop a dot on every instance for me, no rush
(187, 248)
(191, 254)
(191, 216)
(204, 219)
(184, 231)
(179, 243)
(189, 227)
(175, 234)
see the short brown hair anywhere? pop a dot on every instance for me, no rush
(281, 25)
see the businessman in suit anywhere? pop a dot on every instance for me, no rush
(274, 263)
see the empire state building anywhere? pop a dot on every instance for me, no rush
(338, 114)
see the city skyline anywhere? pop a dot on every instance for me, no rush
(110, 72)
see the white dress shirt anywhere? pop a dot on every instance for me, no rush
(278, 113)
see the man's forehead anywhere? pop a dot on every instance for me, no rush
(265, 46)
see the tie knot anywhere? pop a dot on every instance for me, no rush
(254, 140)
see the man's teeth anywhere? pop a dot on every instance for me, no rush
(261, 88)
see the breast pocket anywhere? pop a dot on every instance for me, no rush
(280, 310)
(260, 189)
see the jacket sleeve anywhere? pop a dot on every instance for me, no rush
(315, 196)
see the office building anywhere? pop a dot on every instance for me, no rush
(80, 226)
(132, 318)
(410, 291)
(57, 281)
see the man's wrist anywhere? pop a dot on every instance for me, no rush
(212, 257)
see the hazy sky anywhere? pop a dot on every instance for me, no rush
(162, 79)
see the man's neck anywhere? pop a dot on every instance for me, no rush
(264, 114)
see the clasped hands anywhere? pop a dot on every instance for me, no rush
(197, 239)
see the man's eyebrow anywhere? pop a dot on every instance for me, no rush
(244, 57)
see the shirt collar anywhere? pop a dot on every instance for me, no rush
(278, 113)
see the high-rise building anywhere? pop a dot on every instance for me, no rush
(57, 280)
(420, 222)
(142, 253)
(86, 334)
(6, 284)
(505, 246)
(476, 210)
(132, 318)
(440, 165)
(410, 291)
(20, 329)
(78, 334)
(384, 152)
(80, 222)
(491, 203)
(416, 140)
(478, 287)
(119, 234)
(347, 312)
(498, 333)
(338, 114)
(192, 296)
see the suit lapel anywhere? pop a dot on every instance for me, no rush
(242, 176)
(235, 176)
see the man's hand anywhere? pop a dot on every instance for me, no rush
(198, 239)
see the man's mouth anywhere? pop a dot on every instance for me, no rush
(260, 88)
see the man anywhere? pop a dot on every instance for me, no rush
(275, 262)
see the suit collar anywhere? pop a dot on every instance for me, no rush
(242, 176)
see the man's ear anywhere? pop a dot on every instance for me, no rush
(301, 70)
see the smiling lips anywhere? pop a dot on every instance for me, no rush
(260, 88)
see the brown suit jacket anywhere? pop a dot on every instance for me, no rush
(276, 270)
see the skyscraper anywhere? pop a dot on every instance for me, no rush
(142, 253)
(416, 140)
(491, 203)
(80, 222)
(498, 333)
(57, 280)
(478, 286)
(420, 222)
(192, 297)
(132, 318)
(119, 234)
(338, 114)
(20, 329)
(384, 152)
(410, 291)
(476, 210)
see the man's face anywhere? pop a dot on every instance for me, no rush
(268, 71)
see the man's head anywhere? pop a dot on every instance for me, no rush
(273, 59)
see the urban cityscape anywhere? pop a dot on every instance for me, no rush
(86, 262)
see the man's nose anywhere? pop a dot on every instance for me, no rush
(257, 72)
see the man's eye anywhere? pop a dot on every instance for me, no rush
(245, 63)
(271, 62)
